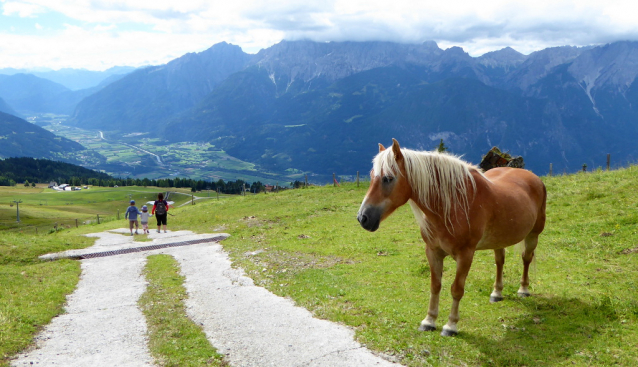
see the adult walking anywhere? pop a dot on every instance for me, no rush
(160, 210)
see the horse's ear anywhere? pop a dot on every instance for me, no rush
(381, 148)
(396, 149)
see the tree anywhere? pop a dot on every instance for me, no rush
(441, 147)
(32, 184)
(26, 183)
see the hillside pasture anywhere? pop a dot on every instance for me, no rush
(306, 245)
(42, 208)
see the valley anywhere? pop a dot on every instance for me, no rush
(139, 155)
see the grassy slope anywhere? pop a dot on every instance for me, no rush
(42, 207)
(31, 291)
(174, 340)
(584, 309)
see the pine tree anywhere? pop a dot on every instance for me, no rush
(441, 147)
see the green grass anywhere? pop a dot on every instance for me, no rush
(32, 291)
(584, 308)
(174, 340)
(43, 208)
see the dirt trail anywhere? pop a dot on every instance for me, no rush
(248, 324)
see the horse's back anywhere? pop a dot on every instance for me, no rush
(515, 179)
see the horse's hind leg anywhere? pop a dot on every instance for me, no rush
(499, 257)
(528, 255)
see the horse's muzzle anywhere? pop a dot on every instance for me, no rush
(369, 218)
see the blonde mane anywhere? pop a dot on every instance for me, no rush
(440, 179)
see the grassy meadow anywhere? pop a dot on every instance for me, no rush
(307, 245)
(42, 208)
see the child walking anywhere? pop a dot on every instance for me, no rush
(131, 214)
(144, 219)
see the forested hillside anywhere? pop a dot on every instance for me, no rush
(44, 170)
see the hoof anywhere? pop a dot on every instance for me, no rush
(524, 294)
(446, 332)
(494, 299)
(427, 328)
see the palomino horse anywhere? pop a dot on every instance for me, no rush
(459, 210)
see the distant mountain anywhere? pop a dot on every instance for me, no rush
(20, 138)
(336, 128)
(73, 79)
(30, 94)
(145, 97)
(321, 106)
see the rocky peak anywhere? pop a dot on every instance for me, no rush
(290, 61)
(538, 64)
(506, 58)
(614, 65)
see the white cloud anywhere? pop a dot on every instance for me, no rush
(124, 32)
(21, 9)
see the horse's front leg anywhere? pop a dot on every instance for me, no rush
(435, 259)
(463, 264)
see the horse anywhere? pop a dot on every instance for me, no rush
(459, 210)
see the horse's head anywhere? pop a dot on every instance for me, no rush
(389, 187)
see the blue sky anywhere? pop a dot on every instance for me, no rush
(98, 34)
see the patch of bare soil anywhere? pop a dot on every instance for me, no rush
(300, 260)
(628, 251)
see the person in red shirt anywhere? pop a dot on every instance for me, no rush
(160, 210)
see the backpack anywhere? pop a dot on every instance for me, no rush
(161, 208)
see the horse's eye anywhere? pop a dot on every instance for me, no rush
(387, 179)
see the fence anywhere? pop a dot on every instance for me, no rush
(584, 167)
(46, 227)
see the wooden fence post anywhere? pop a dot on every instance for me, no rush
(550, 169)
(584, 167)
(192, 200)
(306, 182)
(76, 223)
(118, 214)
(608, 160)
(98, 219)
(357, 178)
(334, 180)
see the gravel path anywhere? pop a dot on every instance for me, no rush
(246, 323)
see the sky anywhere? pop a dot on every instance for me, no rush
(98, 34)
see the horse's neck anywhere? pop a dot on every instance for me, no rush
(435, 216)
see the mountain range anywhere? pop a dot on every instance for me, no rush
(323, 106)
(74, 79)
